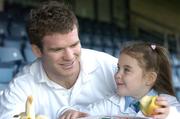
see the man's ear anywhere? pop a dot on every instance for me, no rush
(151, 78)
(36, 50)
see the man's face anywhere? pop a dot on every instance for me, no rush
(61, 54)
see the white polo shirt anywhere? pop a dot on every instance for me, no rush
(95, 82)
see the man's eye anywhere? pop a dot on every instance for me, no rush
(74, 45)
(57, 50)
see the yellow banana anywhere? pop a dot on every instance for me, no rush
(29, 111)
(22, 115)
(147, 105)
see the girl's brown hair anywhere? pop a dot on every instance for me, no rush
(155, 58)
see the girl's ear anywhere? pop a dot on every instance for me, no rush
(151, 78)
(36, 50)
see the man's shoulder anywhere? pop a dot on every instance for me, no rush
(91, 51)
(92, 58)
(97, 54)
(26, 78)
(29, 71)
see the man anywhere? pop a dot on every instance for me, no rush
(64, 75)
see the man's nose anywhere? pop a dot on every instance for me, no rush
(68, 54)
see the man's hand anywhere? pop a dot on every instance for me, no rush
(73, 114)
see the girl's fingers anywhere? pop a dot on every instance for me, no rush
(162, 110)
(161, 101)
(161, 98)
(161, 113)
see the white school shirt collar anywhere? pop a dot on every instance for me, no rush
(130, 99)
(120, 102)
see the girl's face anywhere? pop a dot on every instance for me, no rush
(129, 78)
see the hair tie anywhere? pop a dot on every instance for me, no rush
(153, 47)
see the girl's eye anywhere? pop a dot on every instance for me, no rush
(126, 70)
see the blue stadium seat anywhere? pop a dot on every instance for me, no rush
(98, 48)
(15, 42)
(27, 44)
(17, 29)
(6, 75)
(108, 50)
(117, 41)
(176, 80)
(86, 46)
(3, 31)
(116, 52)
(175, 60)
(107, 41)
(3, 24)
(85, 39)
(7, 72)
(10, 61)
(10, 55)
(96, 40)
(28, 53)
(3, 28)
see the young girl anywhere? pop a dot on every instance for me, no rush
(143, 69)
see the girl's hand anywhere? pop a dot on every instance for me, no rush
(163, 111)
(73, 114)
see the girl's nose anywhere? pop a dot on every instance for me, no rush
(118, 75)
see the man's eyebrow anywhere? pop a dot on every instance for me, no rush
(60, 48)
(56, 48)
(75, 43)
